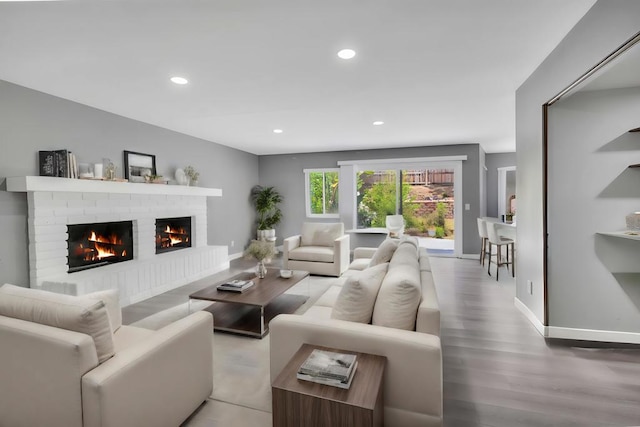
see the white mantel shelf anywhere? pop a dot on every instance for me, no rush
(22, 184)
(622, 234)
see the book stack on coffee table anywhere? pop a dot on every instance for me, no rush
(235, 285)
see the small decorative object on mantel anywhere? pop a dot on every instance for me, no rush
(181, 177)
(110, 171)
(633, 221)
(154, 179)
(262, 251)
(193, 175)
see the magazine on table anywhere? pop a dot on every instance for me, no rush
(235, 285)
(330, 381)
(329, 365)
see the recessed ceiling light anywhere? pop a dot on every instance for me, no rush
(277, 131)
(347, 53)
(378, 123)
(179, 80)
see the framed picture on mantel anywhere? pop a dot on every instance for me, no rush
(138, 165)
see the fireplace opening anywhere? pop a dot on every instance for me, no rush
(173, 234)
(96, 245)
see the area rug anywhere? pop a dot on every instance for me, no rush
(240, 364)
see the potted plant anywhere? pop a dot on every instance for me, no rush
(266, 201)
(262, 251)
(192, 174)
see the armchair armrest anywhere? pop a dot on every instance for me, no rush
(341, 252)
(174, 365)
(289, 244)
(413, 374)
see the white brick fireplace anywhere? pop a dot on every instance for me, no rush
(55, 203)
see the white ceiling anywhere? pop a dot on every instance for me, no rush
(435, 71)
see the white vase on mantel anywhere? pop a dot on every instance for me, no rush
(181, 177)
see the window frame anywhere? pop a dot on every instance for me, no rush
(307, 193)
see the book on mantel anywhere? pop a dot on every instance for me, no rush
(235, 285)
(329, 368)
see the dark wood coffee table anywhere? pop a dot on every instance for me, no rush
(249, 312)
(298, 403)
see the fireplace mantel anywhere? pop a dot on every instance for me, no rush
(46, 183)
(54, 204)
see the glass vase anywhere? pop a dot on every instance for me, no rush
(261, 270)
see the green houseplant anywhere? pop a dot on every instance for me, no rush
(266, 201)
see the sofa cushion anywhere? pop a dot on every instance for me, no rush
(384, 252)
(319, 234)
(358, 295)
(398, 298)
(411, 240)
(359, 264)
(68, 312)
(329, 297)
(128, 336)
(111, 299)
(405, 255)
(312, 253)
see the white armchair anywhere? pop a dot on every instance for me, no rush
(395, 225)
(63, 364)
(321, 248)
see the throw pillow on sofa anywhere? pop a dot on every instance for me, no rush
(111, 299)
(384, 252)
(78, 314)
(398, 298)
(358, 295)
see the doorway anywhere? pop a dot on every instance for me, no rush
(507, 202)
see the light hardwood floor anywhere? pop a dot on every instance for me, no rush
(498, 371)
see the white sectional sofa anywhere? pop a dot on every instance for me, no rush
(67, 361)
(408, 338)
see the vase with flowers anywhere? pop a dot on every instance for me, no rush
(192, 174)
(262, 251)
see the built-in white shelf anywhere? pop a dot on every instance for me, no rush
(46, 183)
(632, 235)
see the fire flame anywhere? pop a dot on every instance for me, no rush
(175, 236)
(102, 247)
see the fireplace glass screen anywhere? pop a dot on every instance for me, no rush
(96, 245)
(173, 234)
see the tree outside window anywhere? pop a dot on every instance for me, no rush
(322, 192)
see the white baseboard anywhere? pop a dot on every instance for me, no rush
(593, 335)
(235, 256)
(470, 256)
(575, 333)
(542, 329)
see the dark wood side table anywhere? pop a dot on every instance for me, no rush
(298, 403)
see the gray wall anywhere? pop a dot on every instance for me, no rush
(605, 27)
(285, 172)
(589, 286)
(31, 121)
(493, 162)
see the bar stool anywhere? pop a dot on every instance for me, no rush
(499, 241)
(482, 232)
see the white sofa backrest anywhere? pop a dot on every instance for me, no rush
(321, 234)
(84, 315)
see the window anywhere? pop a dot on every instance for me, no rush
(424, 197)
(321, 192)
